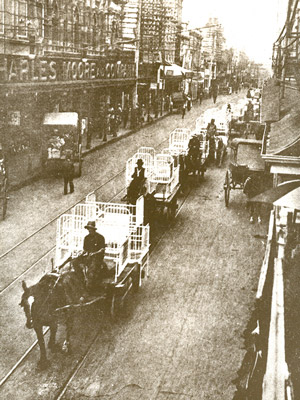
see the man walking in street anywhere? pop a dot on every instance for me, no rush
(68, 174)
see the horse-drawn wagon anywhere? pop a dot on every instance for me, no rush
(126, 238)
(3, 185)
(245, 162)
(78, 280)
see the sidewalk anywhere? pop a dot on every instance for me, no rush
(25, 168)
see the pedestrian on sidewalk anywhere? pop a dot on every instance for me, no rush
(183, 109)
(68, 174)
(125, 115)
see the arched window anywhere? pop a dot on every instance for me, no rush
(76, 35)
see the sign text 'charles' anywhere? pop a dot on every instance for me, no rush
(19, 69)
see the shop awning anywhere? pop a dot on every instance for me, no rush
(270, 103)
(61, 118)
(290, 200)
(271, 195)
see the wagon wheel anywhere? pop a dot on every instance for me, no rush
(227, 189)
(3, 199)
(115, 305)
(172, 209)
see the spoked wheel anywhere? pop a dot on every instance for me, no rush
(114, 306)
(227, 189)
(3, 199)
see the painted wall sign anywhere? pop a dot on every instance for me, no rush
(22, 69)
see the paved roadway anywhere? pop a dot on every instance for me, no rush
(180, 337)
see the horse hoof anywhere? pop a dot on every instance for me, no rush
(43, 365)
(54, 348)
(66, 348)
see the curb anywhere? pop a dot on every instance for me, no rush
(126, 134)
(39, 176)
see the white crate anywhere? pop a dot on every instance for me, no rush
(148, 164)
(165, 177)
(179, 140)
(147, 150)
(126, 242)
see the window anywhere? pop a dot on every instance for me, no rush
(76, 26)
(21, 18)
(55, 23)
(1, 16)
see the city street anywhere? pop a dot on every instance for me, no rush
(180, 337)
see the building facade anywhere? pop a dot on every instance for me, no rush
(60, 55)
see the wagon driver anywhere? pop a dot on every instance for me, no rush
(94, 243)
(138, 179)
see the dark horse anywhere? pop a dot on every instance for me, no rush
(136, 189)
(53, 300)
(194, 164)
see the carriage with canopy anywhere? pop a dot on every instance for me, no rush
(63, 135)
(126, 238)
(3, 184)
(245, 162)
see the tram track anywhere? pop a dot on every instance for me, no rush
(4, 257)
(36, 263)
(83, 357)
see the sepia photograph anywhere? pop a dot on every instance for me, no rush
(149, 199)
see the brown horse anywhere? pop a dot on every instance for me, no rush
(51, 301)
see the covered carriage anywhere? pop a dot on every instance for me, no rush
(245, 162)
(126, 238)
(63, 135)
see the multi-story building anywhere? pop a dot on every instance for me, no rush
(160, 21)
(63, 56)
(212, 46)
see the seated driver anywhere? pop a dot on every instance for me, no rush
(138, 177)
(94, 243)
(194, 143)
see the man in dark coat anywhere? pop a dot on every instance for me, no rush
(94, 243)
(68, 174)
(252, 187)
(94, 247)
(211, 132)
(138, 178)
